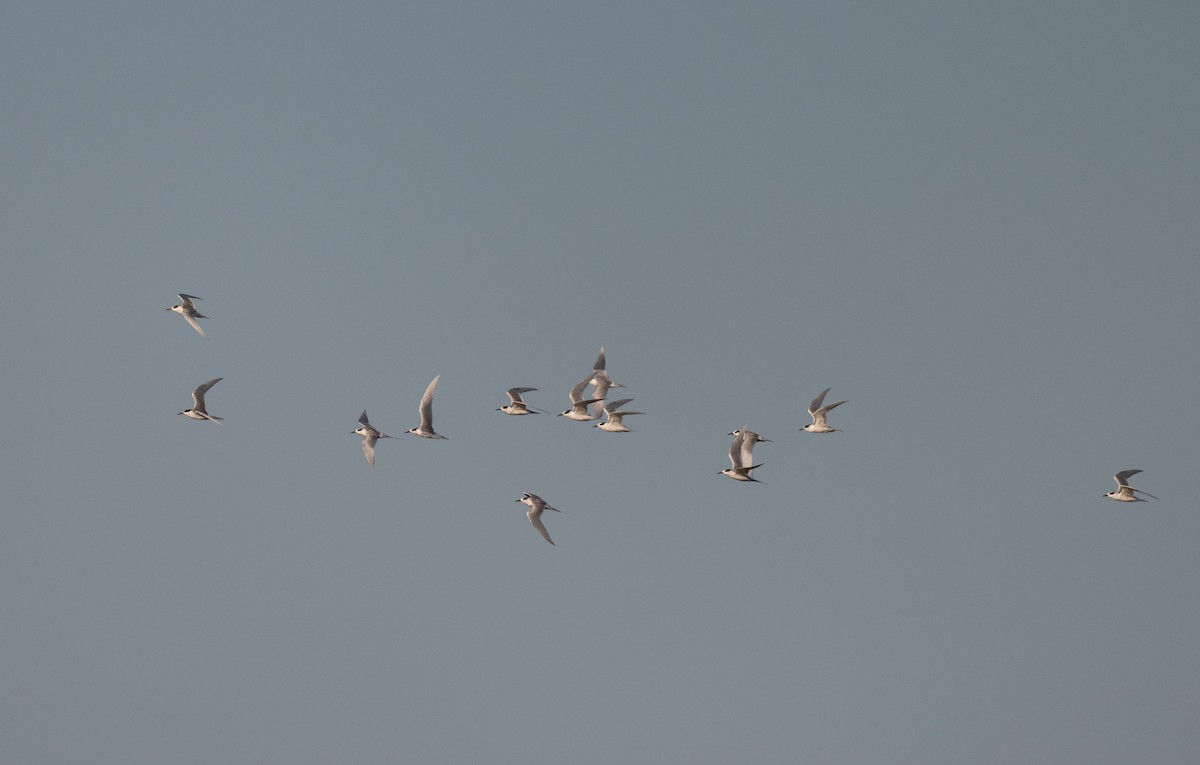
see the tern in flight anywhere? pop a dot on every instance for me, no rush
(369, 435)
(187, 309)
(601, 379)
(198, 410)
(750, 434)
(536, 506)
(516, 404)
(1125, 492)
(425, 429)
(820, 422)
(579, 404)
(613, 423)
(740, 455)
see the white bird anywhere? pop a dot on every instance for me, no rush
(517, 405)
(820, 423)
(369, 435)
(187, 309)
(740, 455)
(601, 379)
(613, 423)
(536, 506)
(751, 435)
(1125, 492)
(198, 410)
(579, 405)
(425, 429)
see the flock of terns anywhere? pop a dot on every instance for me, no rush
(583, 409)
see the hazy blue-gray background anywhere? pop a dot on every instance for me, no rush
(977, 222)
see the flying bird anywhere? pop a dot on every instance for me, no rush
(187, 309)
(425, 429)
(536, 506)
(601, 379)
(613, 423)
(740, 456)
(369, 435)
(1125, 492)
(750, 434)
(198, 410)
(579, 405)
(820, 422)
(516, 405)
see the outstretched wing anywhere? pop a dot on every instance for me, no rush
(537, 524)
(514, 394)
(427, 405)
(195, 325)
(735, 450)
(1123, 477)
(201, 389)
(815, 406)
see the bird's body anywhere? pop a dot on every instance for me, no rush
(199, 411)
(750, 434)
(740, 457)
(612, 422)
(536, 505)
(820, 422)
(425, 429)
(187, 309)
(370, 436)
(1125, 492)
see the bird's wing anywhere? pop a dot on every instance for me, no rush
(427, 405)
(602, 386)
(514, 394)
(576, 393)
(195, 325)
(201, 389)
(1122, 478)
(747, 450)
(735, 450)
(816, 402)
(831, 407)
(537, 524)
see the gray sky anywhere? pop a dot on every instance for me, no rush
(977, 222)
